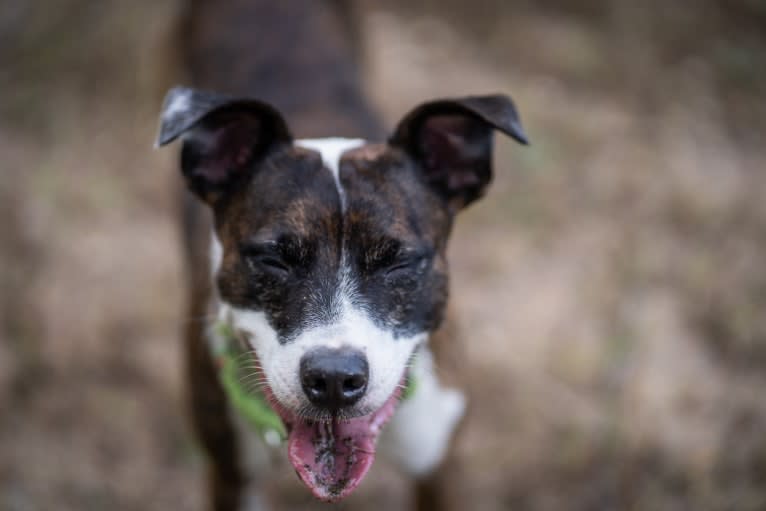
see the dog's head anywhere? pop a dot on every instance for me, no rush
(329, 254)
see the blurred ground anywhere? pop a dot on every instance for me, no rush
(611, 288)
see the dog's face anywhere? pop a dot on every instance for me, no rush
(306, 269)
(329, 255)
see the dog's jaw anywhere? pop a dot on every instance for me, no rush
(332, 455)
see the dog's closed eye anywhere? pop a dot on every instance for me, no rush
(393, 258)
(406, 264)
(266, 257)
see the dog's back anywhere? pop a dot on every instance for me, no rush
(297, 55)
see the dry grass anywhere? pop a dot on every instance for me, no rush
(611, 287)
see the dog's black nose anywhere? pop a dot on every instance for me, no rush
(334, 378)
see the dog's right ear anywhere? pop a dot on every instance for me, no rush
(222, 137)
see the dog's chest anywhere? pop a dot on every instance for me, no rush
(418, 437)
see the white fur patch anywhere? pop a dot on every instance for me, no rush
(216, 253)
(419, 434)
(179, 104)
(331, 150)
(215, 341)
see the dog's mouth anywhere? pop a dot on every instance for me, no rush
(333, 456)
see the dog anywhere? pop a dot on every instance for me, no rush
(320, 272)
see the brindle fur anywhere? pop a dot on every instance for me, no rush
(297, 55)
(291, 200)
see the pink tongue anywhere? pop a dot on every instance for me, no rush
(332, 458)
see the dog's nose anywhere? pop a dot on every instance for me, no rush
(334, 378)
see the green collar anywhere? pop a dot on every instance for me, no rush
(252, 404)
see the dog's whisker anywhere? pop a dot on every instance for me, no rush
(248, 362)
(253, 381)
(250, 389)
(253, 378)
(250, 367)
(246, 353)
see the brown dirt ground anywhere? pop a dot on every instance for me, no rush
(610, 288)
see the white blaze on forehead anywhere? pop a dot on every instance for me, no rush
(331, 150)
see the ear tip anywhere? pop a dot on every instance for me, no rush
(176, 106)
(169, 130)
(164, 137)
(516, 130)
(505, 114)
(520, 136)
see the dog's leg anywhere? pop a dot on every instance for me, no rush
(207, 402)
(212, 423)
(440, 490)
(430, 493)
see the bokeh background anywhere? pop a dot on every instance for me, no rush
(611, 288)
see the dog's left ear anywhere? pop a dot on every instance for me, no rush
(452, 140)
